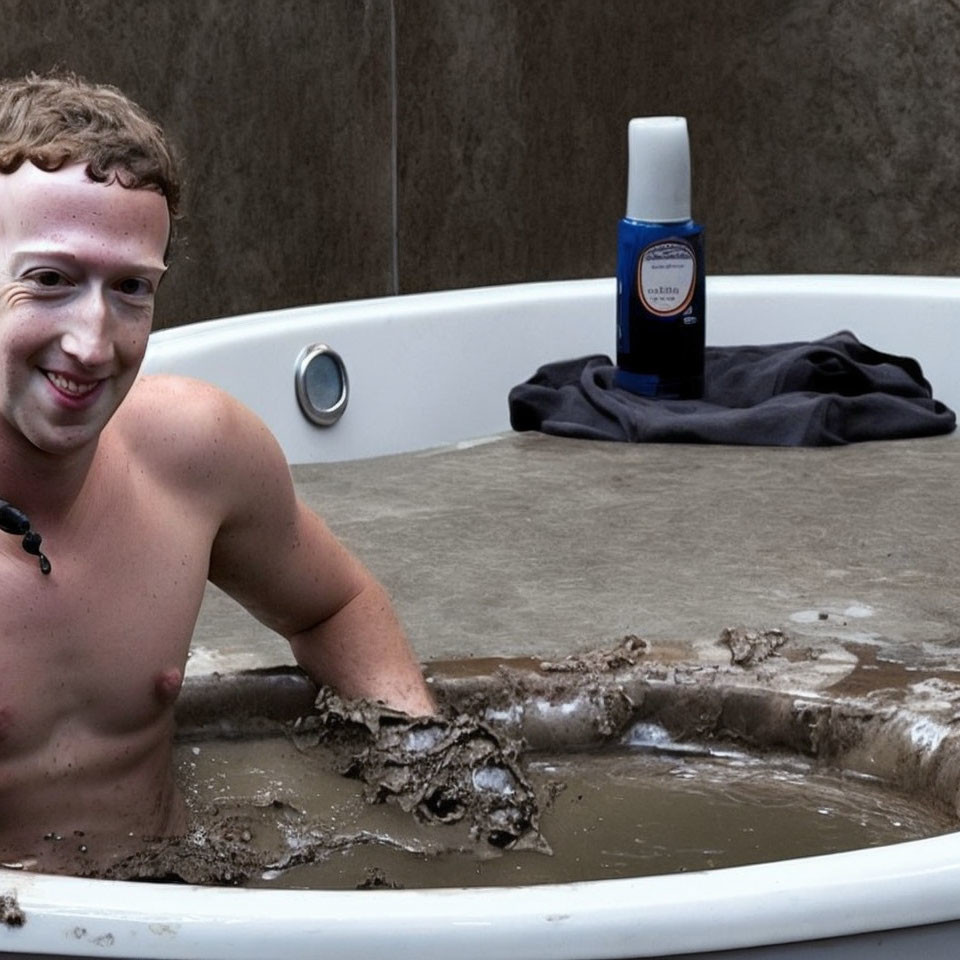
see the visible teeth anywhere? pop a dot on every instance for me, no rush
(69, 386)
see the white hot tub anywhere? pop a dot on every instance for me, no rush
(435, 369)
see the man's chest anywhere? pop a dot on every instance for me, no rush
(92, 642)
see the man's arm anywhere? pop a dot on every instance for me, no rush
(279, 559)
(360, 649)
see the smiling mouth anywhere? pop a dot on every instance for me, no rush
(70, 387)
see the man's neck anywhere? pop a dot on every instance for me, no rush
(45, 486)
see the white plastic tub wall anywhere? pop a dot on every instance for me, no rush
(433, 369)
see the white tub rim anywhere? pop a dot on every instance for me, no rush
(881, 888)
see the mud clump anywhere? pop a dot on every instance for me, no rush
(10, 913)
(376, 879)
(218, 852)
(234, 850)
(441, 769)
(626, 653)
(749, 647)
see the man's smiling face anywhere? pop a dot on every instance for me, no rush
(80, 263)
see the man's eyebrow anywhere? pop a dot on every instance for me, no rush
(53, 254)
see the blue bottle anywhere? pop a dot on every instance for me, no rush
(660, 267)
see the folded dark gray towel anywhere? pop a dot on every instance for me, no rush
(831, 391)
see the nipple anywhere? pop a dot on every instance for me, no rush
(16, 522)
(167, 685)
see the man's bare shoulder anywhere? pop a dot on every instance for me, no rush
(190, 427)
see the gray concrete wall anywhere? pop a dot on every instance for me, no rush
(353, 148)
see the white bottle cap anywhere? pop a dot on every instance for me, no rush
(658, 183)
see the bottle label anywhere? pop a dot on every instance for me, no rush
(667, 277)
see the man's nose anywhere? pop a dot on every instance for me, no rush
(88, 335)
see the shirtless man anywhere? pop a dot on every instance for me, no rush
(142, 489)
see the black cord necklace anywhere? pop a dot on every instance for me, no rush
(16, 522)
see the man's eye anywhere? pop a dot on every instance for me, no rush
(48, 278)
(134, 287)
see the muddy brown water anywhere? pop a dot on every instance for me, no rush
(598, 767)
(618, 812)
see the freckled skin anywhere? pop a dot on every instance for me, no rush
(76, 299)
(142, 489)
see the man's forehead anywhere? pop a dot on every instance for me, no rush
(65, 205)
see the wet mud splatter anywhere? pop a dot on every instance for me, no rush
(309, 789)
(626, 653)
(444, 772)
(10, 913)
(441, 769)
(749, 647)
